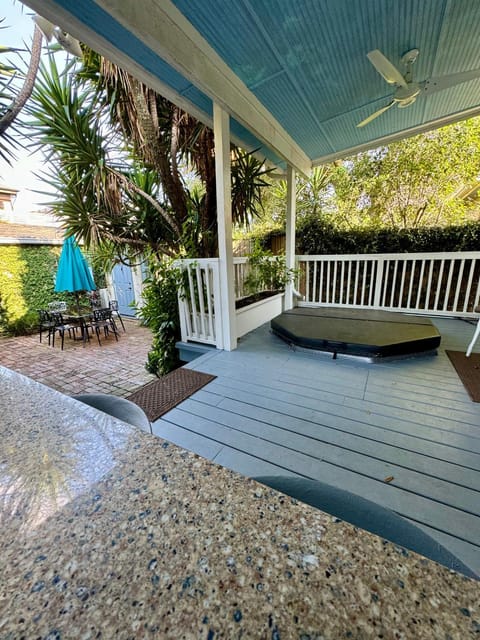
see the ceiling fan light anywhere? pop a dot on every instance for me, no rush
(67, 42)
(45, 26)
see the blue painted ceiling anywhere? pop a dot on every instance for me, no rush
(306, 61)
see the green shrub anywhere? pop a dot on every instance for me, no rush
(26, 284)
(317, 236)
(160, 314)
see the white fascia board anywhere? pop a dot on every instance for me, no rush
(399, 135)
(14, 240)
(164, 29)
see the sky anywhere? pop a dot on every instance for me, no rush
(19, 30)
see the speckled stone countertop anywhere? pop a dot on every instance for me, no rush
(108, 532)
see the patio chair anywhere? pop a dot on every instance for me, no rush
(103, 319)
(60, 326)
(367, 515)
(113, 305)
(45, 324)
(120, 408)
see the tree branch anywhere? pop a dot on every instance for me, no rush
(26, 91)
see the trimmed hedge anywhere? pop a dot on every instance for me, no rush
(317, 237)
(26, 284)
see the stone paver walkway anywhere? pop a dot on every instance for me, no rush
(115, 367)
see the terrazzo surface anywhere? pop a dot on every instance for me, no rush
(109, 532)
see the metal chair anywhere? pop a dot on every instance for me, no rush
(45, 324)
(113, 305)
(61, 326)
(120, 408)
(103, 319)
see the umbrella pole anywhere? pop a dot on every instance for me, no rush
(78, 302)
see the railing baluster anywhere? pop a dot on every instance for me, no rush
(439, 285)
(307, 278)
(371, 271)
(459, 284)
(449, 283)
(193, 305)
(364, 279)
(469, 285)
(477, 295)
(334, 287)
(342, 276)
(349, 281)
(394, 282)
(314, 281)
(420, 285)
(320, 292)
(355, 291)
(378, 282)
(328, 282)
(410, 286)
(429, 285)
(402, 284)
(200, 289)
(209, 277)
(386, 273)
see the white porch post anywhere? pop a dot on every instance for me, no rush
(221, 130)
(290, 234)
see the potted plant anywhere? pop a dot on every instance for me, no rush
(264, 284)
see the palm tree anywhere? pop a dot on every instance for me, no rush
(102, 195)
(12, 101)
(162, 137)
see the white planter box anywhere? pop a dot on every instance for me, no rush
(256, 314)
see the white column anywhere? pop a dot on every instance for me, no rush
(290, 233)
(221, 130)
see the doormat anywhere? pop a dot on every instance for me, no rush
(468, 370)
(159, 396)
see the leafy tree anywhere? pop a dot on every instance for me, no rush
(414, 182)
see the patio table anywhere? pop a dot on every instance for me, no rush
(81, 318)
(112, 531)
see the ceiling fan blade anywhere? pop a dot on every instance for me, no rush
(385, 68)
(375, 114)
(439, 84)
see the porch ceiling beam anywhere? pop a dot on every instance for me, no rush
(164, 29)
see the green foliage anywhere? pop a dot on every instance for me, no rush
(315, 236)
(266, 271)
(26, 284)
(160, 314)
(412, 183)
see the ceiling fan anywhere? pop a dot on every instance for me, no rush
(407, 91)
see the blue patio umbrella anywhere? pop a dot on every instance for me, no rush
(73, 273)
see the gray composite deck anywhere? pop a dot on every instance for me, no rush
(276, 411)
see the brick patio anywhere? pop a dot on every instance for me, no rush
(115, 367)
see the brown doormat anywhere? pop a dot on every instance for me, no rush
(159, 396)
(468, 370)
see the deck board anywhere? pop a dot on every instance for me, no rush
(276, 411)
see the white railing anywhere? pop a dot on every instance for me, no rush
(241, 269)
(199, 302)
(445, 284)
